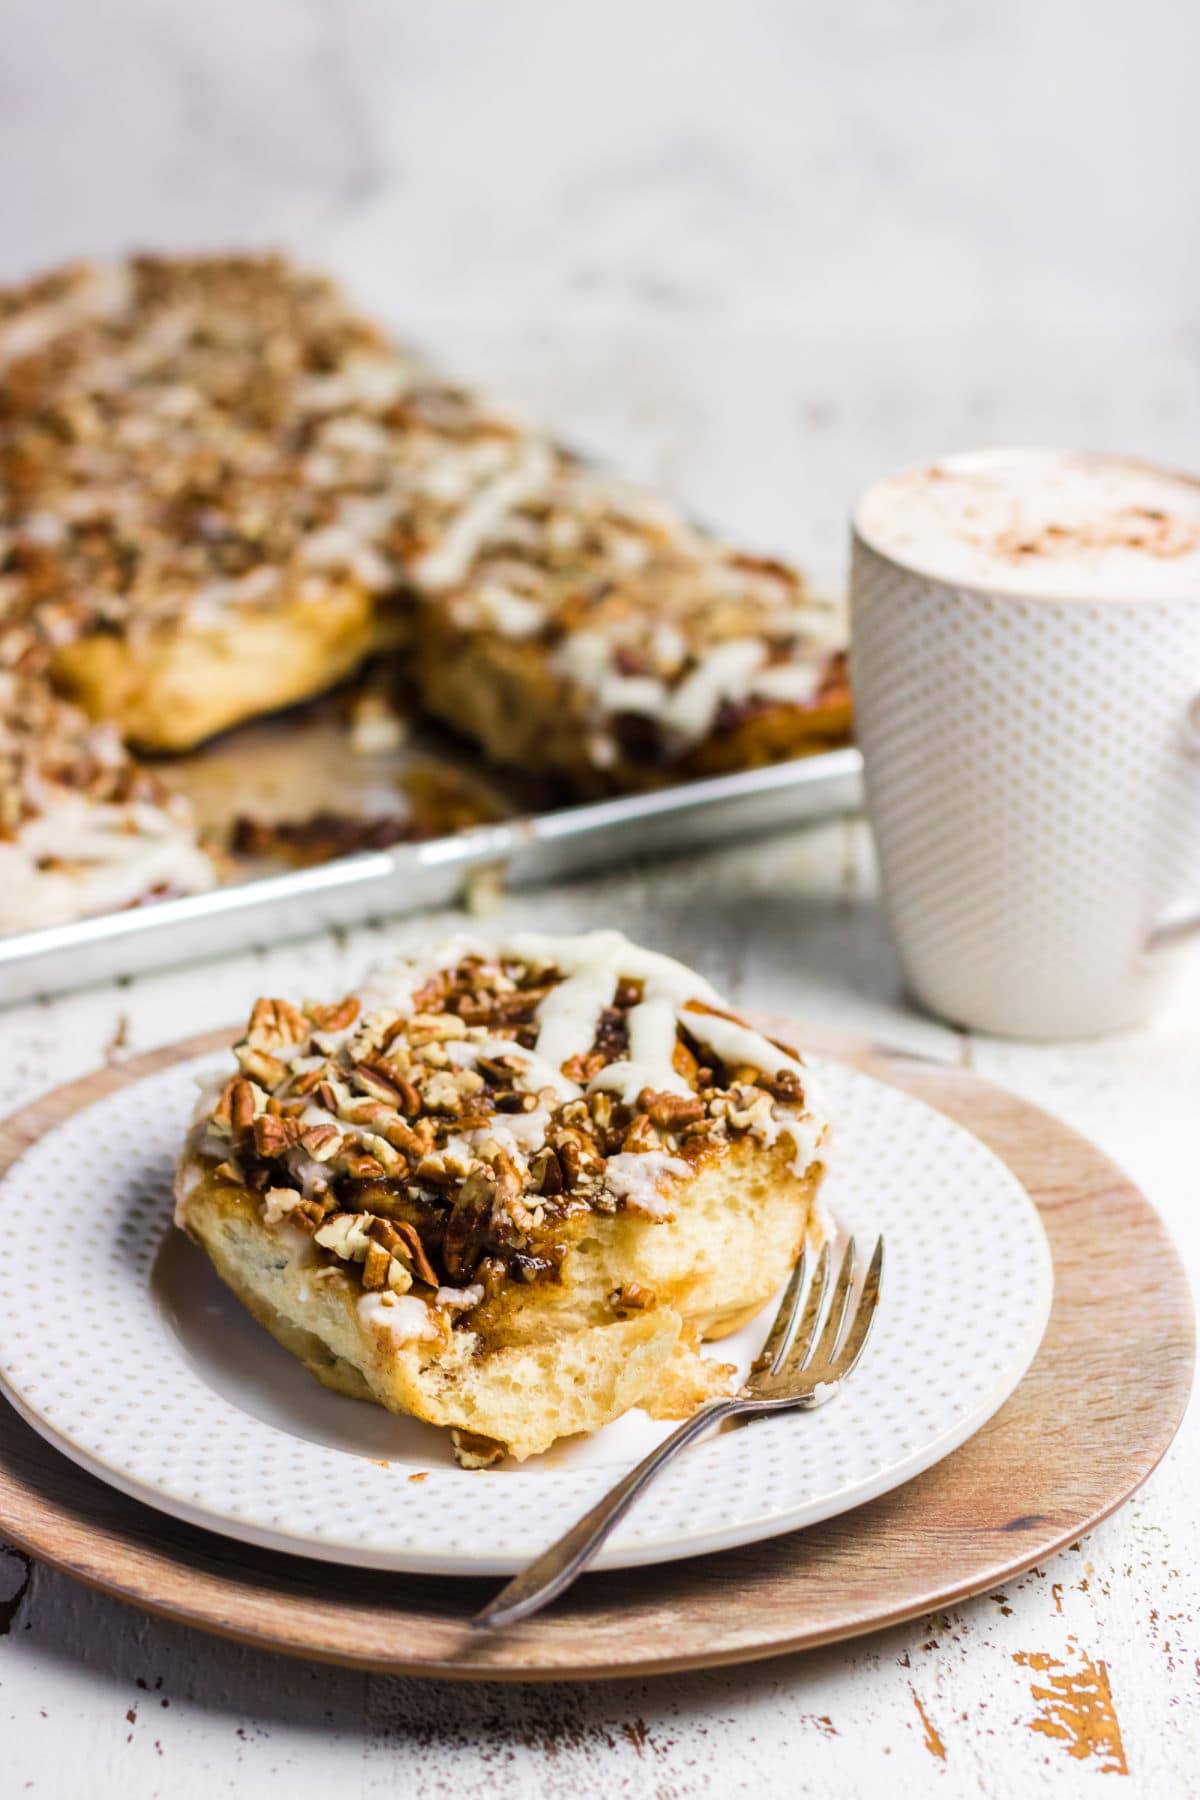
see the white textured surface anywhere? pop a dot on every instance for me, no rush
(791, 926)
(111, 1380)
(880, 161)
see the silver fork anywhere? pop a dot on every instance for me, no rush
(791, 1372)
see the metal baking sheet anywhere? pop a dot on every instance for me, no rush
(272, 769)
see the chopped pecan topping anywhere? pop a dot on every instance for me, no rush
(266, 1069)
(642, 1135)
(381, 1084)
(670, 1111)
(513, 1102)
(363, 1167)
(474, 1451)
(630, 1299)
(409, 1237)
(375, 1267)
(785, 1085)
(583, 1066)
(321, 1141)
(241, 1105)
(276, 1025)
(335, 1018)
(413, 1131)
(273, 1136)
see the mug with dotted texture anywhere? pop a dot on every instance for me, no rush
(1026, 665)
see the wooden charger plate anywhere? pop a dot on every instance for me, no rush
(1093, 1416)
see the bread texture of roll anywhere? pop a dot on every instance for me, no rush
(509, 1188)
(599, 636)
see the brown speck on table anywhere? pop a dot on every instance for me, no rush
(419, 1475)
(820, 1722)
(1076, 1707)
(638, 1733)
(931, 1738)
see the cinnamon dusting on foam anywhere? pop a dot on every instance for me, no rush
(1057, 525)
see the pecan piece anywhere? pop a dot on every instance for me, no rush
(308, 1215)
(498, 1069)
(334, 1018)
(266, 1069)
(684, 1063)
(376, 1265)
(363, 1167)
(241, 1105)
(408, 1235)
(272, 1135)
(510, 1190)
(305, 1083)
(547, 1173)
(222, 1112)
(513, 1102)
(321, 1141)
(441, 1094)
(786, 1086)
(601, 1107)
(642, 1134)
(631, 1298)
(474, 1451)
(670, 1112)
(276, 1024)
(583, 1066)
(466, 1227)
(381, 1084)
(401, 1136)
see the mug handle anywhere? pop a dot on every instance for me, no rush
(1177, 929)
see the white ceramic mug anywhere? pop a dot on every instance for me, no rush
(1026, 665)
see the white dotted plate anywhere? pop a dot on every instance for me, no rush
(119, 1344)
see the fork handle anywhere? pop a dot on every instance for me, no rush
(551, 1573)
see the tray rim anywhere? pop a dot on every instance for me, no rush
(531, 848)
(1077, 1180)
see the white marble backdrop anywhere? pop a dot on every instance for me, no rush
(758, 250)
(920, 162)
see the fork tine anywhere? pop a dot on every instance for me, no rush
(812, 1312)
(779, 1336)
(864, 1316)
(823, 1354)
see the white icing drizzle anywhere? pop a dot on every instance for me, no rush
(470, 529)
(459, 1299)
(402, 1316)
(391, 989)
(735, 671)
(592, 964)
(595, 961)
(101, 857)
(638, 1177)
(722, 673)
(568, 1015)
(512, 614)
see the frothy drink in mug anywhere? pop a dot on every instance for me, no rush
(1026, 666)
